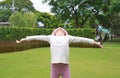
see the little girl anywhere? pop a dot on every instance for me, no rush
(59, 48)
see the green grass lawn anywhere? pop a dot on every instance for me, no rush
(84, 63)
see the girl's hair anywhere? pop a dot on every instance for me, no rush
(59, 29)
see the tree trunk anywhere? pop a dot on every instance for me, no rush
(76, 19)
(84, 20)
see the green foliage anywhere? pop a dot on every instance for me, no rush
(20, 5)
(114, 7)
(4, 15)
(18, 33)
(45, 18)
(83, 32)
(111, 16)
(114, 40)
(26, 19)
(77, 10)
(84, 63)
(49, 20)
(12, 46)
(10, 34)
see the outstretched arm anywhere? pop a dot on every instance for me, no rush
(98, 44)
(21, 40)
(36, 37)
(75, 39)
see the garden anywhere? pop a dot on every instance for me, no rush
(83, 18)
(84, 62)
(8, 37)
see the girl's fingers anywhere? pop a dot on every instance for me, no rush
(17, 41)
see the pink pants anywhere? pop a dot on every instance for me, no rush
(58, 70)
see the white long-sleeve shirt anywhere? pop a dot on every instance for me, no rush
(59, 45)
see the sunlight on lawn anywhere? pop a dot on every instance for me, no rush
(84, 63)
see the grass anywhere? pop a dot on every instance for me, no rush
(84, 63)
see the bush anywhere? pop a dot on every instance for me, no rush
(8, 36)
(12, 46)
(26, 19)
(114, 40)
(83, 32)
(11, 34)
(5, 14)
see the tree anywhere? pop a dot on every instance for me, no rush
(4, 15)
(114, 16)
(47, 19)
(78, 10)
(26, 19)
(110, 17)
(20, 5)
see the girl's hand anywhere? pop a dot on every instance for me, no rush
(23, 39)
(17, 41)
(98, 44)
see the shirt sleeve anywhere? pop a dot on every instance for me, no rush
(75, 39)
(38, 37)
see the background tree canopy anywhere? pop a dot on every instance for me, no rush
(5, 14)
(78, 13)
(88, 13)
(20, 19)
(78, 10)
(20, 5)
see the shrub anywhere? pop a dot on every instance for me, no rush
(114, 40)
(12, 46)
(83, 32)
(26, 19)
(11, 34)
(8, 36)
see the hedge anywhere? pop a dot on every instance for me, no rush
(8, 36)
(11, 34)
(12, 46)
(114, 40)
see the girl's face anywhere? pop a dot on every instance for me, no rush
(60, 33)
